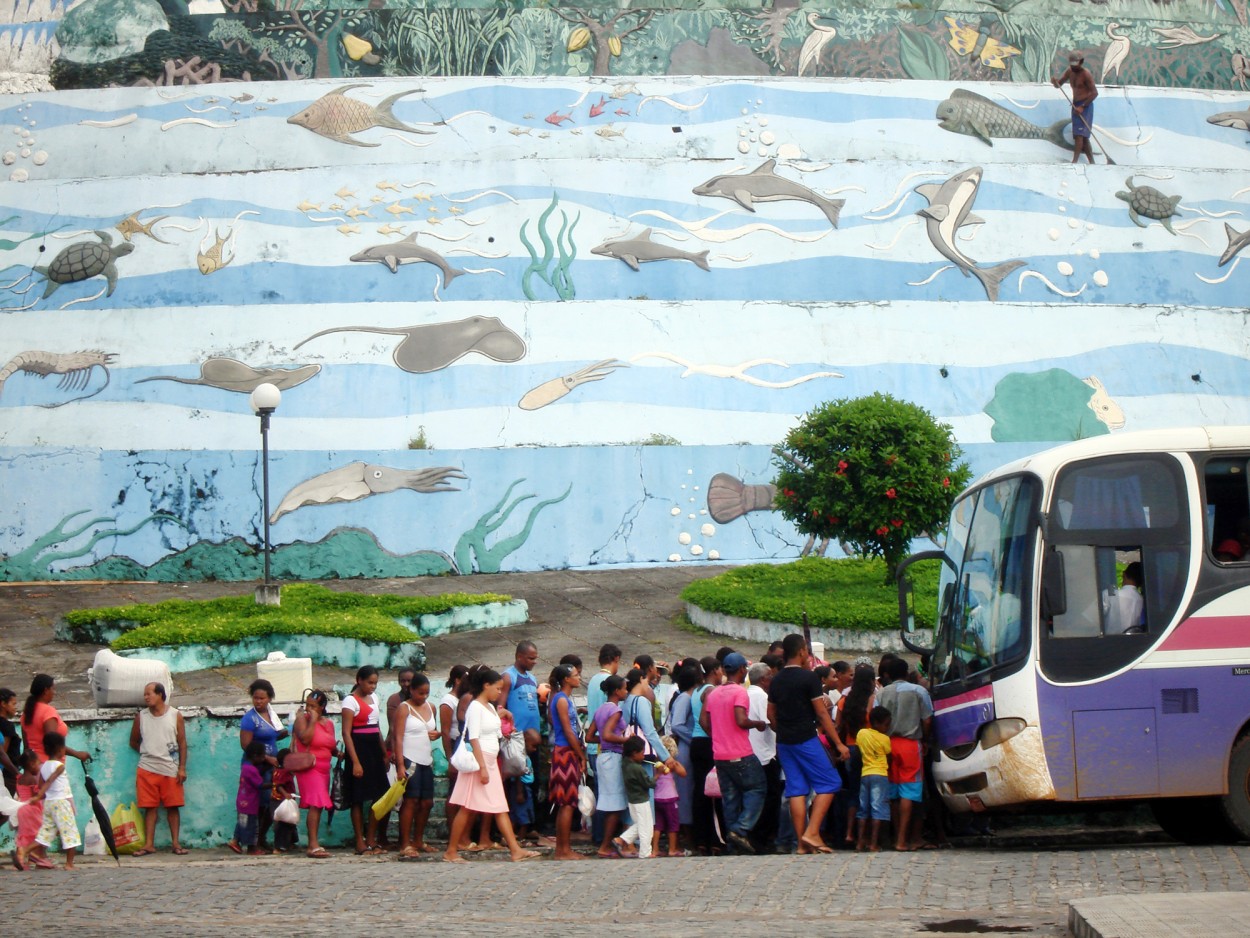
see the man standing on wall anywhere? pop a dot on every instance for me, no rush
(1084, 91)
(160, 738)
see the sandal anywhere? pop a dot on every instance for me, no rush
(178, 851)
(43, 863)
(319, 854)
(527, 855)
(144, 852)
(234, 846)
(18, 862)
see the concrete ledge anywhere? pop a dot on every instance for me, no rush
(322, 649)
(469, 618)
(757, 630)
(1161, 916)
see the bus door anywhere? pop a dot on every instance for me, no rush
(1117, 542)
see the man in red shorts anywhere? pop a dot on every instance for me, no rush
(160, 738)
(912, 719)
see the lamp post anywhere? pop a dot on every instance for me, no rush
(265, 400)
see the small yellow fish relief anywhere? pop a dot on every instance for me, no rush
(970, 41)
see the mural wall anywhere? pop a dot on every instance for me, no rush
(559, 321)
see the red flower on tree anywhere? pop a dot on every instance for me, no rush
(890, 493)
(897, 522)
(882, 531)
(946, 482)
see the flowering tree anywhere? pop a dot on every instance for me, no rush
(874, 472)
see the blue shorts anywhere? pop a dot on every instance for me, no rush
(912, 791)
(807, 769)
(1082, 123)
(420, 781)
(874, 798)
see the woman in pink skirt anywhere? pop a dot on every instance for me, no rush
(482, 791)
(314, 732)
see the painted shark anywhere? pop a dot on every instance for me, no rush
(764, 185)
(396, 253)
(1238, 120)
(950, 208)
(1236, 241)
(642, 250)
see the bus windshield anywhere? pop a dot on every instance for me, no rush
(982, 622)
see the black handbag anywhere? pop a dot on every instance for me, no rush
(339, 796)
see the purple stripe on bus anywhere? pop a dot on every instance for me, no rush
(959, 727)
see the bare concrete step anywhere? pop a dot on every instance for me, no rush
(1160, 916)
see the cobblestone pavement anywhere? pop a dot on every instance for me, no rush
(927, 893)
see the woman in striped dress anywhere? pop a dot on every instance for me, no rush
(568, 758)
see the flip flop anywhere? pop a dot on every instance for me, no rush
(233, 846)
(43, 863)
(178, 851)
(144, 852)
(17, 861)
(527, 855)
(319, 854)
(454, 860)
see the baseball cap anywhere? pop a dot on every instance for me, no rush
(734, 662)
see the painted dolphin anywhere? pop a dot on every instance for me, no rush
(950, 208)
(1238, 120)
(360, 480)
(436, 345)
(396, 253)
(642, 250)
(228, 374)
(1236, 241)
(764, 185)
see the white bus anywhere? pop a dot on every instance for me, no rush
(1053, 681)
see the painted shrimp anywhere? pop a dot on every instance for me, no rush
(74, 367)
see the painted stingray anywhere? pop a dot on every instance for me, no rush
(229, 374)
(436, 345)
(359, 480)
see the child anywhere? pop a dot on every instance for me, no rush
(522, 805)
(667, 816)
(638, 785)
(58, 806)
(30, 815)
(251, 783)
(874, 787)
(285, 836)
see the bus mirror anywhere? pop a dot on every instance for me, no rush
(1054, 589)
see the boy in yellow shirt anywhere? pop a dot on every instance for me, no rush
(874, 787)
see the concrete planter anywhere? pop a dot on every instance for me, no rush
(322, 649)
(757, 630)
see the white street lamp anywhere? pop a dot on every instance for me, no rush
(265, 400)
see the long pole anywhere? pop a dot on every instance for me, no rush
(264, 447)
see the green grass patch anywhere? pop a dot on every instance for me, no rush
(307, 609)
(836, 594)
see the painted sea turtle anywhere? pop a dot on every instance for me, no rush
(1149, 201)
(83, 260)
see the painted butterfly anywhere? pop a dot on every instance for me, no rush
(970, 41)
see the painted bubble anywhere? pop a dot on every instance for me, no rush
(674, 558)
(1095, 253)
(692, 516)
(1063, 208)
(713, 555)
(683, 538)
(9, 157)
(763, 151)
(708, 530)
(21, 174)
(1073, 223)
(768, 137)
(1053, 234)
(24, 152)
(746, 111)
(41, 157)
(696, 551)
(742, 131)
(674, 511)
(1064, 268)
(763, 121)
(1101, 278)
(790, 151)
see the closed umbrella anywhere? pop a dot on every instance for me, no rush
(101, 815)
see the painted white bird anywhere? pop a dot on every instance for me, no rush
(1117, 51)
(815, 43)
(1241, 69)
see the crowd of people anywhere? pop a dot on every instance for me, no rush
(713, 755)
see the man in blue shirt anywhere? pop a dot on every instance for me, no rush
(520, 696)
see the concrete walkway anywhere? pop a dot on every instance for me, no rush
(1164, 916)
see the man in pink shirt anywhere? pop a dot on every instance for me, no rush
(742, 781)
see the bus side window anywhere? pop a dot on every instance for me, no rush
(1096, 603)
(1227, 509)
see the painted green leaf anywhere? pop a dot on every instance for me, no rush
(921, 56)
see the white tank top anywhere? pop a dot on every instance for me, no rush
(451, 700)
(416, 735)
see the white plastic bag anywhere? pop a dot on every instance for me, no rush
(462, 758)
(586, 800)
(287, 812)
(93, 840)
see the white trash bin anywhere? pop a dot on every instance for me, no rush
(118, 682)
(290, 677)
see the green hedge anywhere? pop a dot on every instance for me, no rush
(307, 609)
(837, 594)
